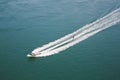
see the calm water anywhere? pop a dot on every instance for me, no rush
(27, 24)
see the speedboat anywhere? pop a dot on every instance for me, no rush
(31, 55)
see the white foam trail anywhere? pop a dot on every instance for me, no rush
(79, 35)
(58, 40)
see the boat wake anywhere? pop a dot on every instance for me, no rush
(77, 36)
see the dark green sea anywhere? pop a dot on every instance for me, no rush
(27, 24)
